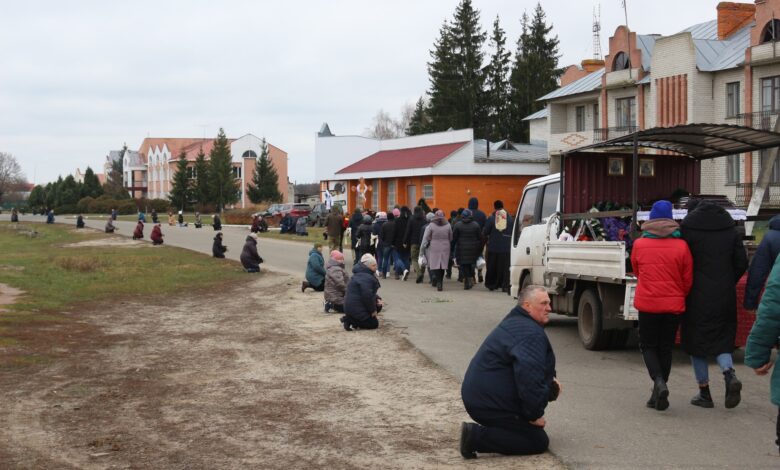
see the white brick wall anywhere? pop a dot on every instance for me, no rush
(616, 94)
(539, 130)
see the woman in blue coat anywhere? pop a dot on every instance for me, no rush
(315, 270)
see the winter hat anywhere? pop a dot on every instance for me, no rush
(366, 218)
(429, 216)
(368, 260)
(396, 212)
(661, 210)
(381, 216)
(337, 256)
(466, 213)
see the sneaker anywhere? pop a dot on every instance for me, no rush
(733, 389)
(465, 441)
(347, 326)
(406, 274)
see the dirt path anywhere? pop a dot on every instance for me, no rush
(253, 378)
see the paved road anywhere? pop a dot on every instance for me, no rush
(600, 420)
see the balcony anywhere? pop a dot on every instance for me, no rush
(565, 141)
(763, 120)
(606, 133)
(745, 192)
(135, 185)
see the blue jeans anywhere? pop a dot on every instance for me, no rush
(387, 256)
(400, 262)
(701, 367)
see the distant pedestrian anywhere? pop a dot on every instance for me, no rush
(423, 258)
(50, 216)
(402, 252)
(762, 263)
(709, 326)
(467, 237)
(250, 258)
(315, 270)
(364, 237)
(361, 302)
(413, 240)
(764, 337)
(110, 226)
(336, 279)
(155, 219)
(437, 248)
(663, 266)
(79, 221)
(480, 218)
(216, 222)
(334, 228)
(113, 214)
(198, 221)
(218, 249)
(498, 233)
(386, 242)
(354, 224)
(156, 236)
(138, 233)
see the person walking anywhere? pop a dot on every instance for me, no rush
(250, 258)
(315, 270)
(400, 249)
(480, 218)
(761, 265)
(498, 233)
(386, 240)
(413, 240)
(764, 336)
(467, 237)
(709, 326)
(156, 236)
(336, 279)
(361, 302)
(663, 266)
(216, 222)
(218, 249)
(510, 382)
(437, 241)
(334, 227)
(355, 221)
(423, 256)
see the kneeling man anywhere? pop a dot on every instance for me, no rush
(510, 381)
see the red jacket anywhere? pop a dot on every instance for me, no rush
(156, 235)
(664, 271)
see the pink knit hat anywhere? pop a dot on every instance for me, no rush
(396, 212)
(337, 255)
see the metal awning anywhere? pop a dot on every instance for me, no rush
(698, 141)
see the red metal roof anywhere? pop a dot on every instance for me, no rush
(417, 157)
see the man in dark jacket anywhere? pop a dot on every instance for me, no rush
(413, 239)
(217, 222)
(481, 219)
(218, 249)
(498, 233)
(510, 381)
(762, 264)
(334, 227)
(361, 302)
(250, 258)
(709, 326)
(467, 236)
(400, 249)
(364, 233)
(386, 234)
(79, 221)
(354, 224)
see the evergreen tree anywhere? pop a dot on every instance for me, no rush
(91, 186)
(223, 186)
(114, 186)
(69, 191)
(201, 189)
(444, 81)
(497, 86)
(180, 190)
(265, 180)
(419, 123)
(535, 71)
(37, 198)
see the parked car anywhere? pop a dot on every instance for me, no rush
(273, 210)
(299, 210)
(318, 215)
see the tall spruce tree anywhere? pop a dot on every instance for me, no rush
(180, 190)
(223, 186)
(443, 77)
(91, 186)
(114, 185)
(200, 190)
(265, 180)
(497, 99)
(535, 71)
(419, 122)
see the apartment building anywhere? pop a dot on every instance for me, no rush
(724, 71)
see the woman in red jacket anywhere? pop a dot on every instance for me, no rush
(663, 266)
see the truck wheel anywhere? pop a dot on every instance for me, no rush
(589, 322)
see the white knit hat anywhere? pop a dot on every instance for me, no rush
(368, 259)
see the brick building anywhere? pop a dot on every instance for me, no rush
(446, 168)
(724, 71)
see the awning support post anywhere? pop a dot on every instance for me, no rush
(635, 183)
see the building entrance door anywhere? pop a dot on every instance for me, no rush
(411, 195)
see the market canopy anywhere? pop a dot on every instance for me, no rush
(697, 141)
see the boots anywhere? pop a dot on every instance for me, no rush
(420, 275)
(467, 283)
(304, 286)
(733, 389)
(661, 392)
(703, 399)
(440, 281)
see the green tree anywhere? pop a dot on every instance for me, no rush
(91, 186)
(180, 189)
(114, 185)
(443, 78)
(419, 122)
(535, 71)
(499, 121)
(224, 188)
(69, 192)
(37, 197)
(201, 187)
(265, 180)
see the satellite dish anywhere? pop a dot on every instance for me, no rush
(339, 188)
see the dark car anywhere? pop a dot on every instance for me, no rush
(300, 210)
(318, 215)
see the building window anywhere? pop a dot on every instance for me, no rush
(732, 99)
(732, 169)
(775, 178)
(596, 122)
(626, 112)
(621, 62)
(428, 191)
(771, 31)
(391, 198)
(375, 196)
(237, 172)
(191, 174)
(580, 111)
(770, 94)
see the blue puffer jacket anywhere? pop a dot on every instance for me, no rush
(762, 263)
(315, 268)
(360, 300)
(512, 372)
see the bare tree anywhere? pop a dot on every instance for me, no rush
(385, 126)
(11, 175)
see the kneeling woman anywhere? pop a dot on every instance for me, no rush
(157, 236)
(361, 303)
(336, 279)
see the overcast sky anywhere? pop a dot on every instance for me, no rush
(80, 78)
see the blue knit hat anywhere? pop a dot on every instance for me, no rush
(466, 213)
(661, 210)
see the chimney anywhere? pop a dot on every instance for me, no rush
(591, 65)
(734, 16)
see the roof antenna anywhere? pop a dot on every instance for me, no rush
(597, 32)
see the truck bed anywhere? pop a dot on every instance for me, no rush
(590, 259)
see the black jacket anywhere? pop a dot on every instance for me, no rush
(762, 263)
(413, 231)
(218, 249)
(709, 326)
(512, 372)
(250, 259)
(217, 223)
(360, 299)
(479, 217)
(387, 233)
(364, 238)
(467, 237)
(399, 235)
(498, 241)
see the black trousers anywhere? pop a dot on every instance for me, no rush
(509, 435)
(497, 274)
(369, 324)
(656, 340)
(778, 427)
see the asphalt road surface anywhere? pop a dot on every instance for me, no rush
(600, 420)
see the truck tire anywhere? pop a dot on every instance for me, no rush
(589, 322)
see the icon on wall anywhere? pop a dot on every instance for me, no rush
(615, 166)
(646, 167)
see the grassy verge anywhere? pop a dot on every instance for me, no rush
(315, 235)
(56, 277)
